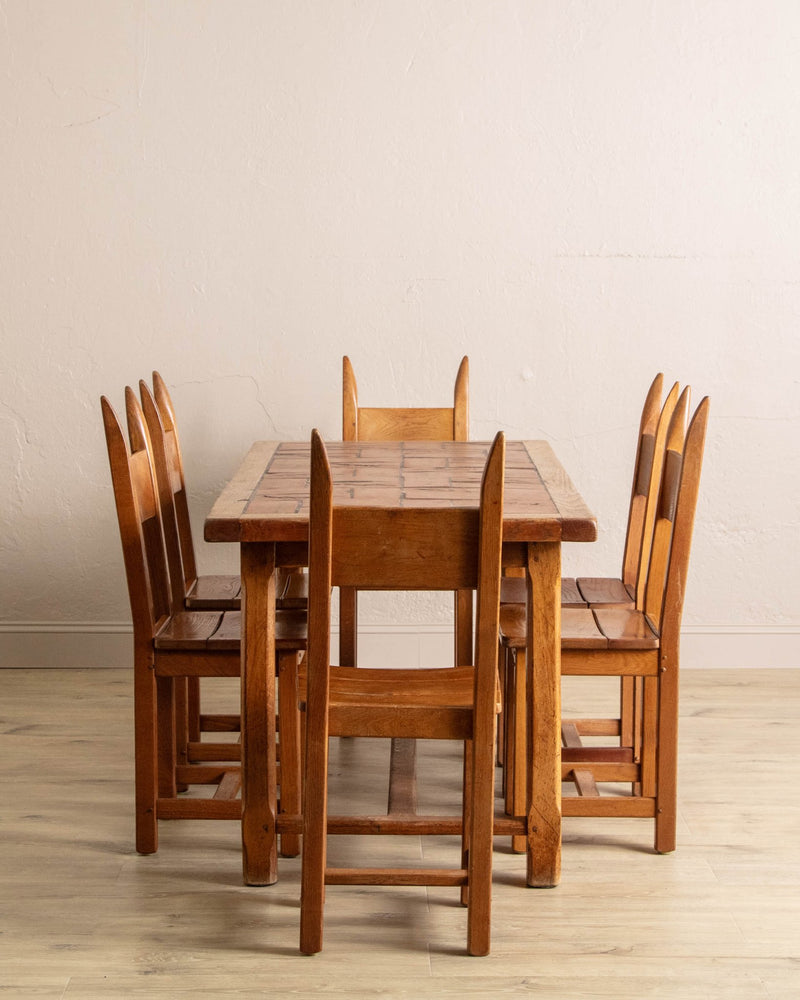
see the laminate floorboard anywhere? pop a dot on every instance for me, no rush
(83, 916)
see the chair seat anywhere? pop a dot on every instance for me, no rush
(221, 631)
(513, 590)
(215, 593)
(188, 630)
(605, 590)
(294, 592)
(585, 628)
(224, 593)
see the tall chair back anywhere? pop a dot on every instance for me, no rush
(160, 415)
(644, 490)
(430, 423)
(139, 516)
(403, 424)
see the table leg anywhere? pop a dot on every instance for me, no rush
(544, 714)
(259, 774)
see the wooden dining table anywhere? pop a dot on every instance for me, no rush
(265, 508)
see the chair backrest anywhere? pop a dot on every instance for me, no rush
(171, 492)
(644, 491)
(138, 513)
(413, 549)
(445, 423)
(674, 519)
(172, 481)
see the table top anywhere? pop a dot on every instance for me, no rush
(267, 498)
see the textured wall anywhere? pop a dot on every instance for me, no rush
(576, 194)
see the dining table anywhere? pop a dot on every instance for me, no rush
(265, 509)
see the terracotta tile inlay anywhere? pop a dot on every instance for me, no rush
(540, 502)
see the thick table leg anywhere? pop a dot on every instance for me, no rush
(544, 714)
(259, 775)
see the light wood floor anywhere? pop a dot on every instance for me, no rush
(82, 916)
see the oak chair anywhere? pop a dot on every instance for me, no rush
(642, 643)
(210, 593)
(170, 645)
(622, 591)
(433, 549)
(361, 423)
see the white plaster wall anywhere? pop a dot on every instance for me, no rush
(575, 194)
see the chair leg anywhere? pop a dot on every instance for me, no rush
(315, 809)
(145, 757)
(167, 739)
(481, 792)
(649, 734)
(502, 674)
(667, 791)
(466, 815)
(182, 723)
(289, 733)
(509, 723)
(193, 695)
(518, 745)
(631, 697)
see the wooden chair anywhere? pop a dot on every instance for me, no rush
(625, 591)
(210, 593)
(171, 644)
(444, 423)
(441, 549)
(642, 643)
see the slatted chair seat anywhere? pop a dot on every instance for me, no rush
(221, 631)
(220, 592)
(513, 590)
(215, 592)
(190, 630)
(622, 628)
(588, 628)
(641, 644)
(605, 590)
